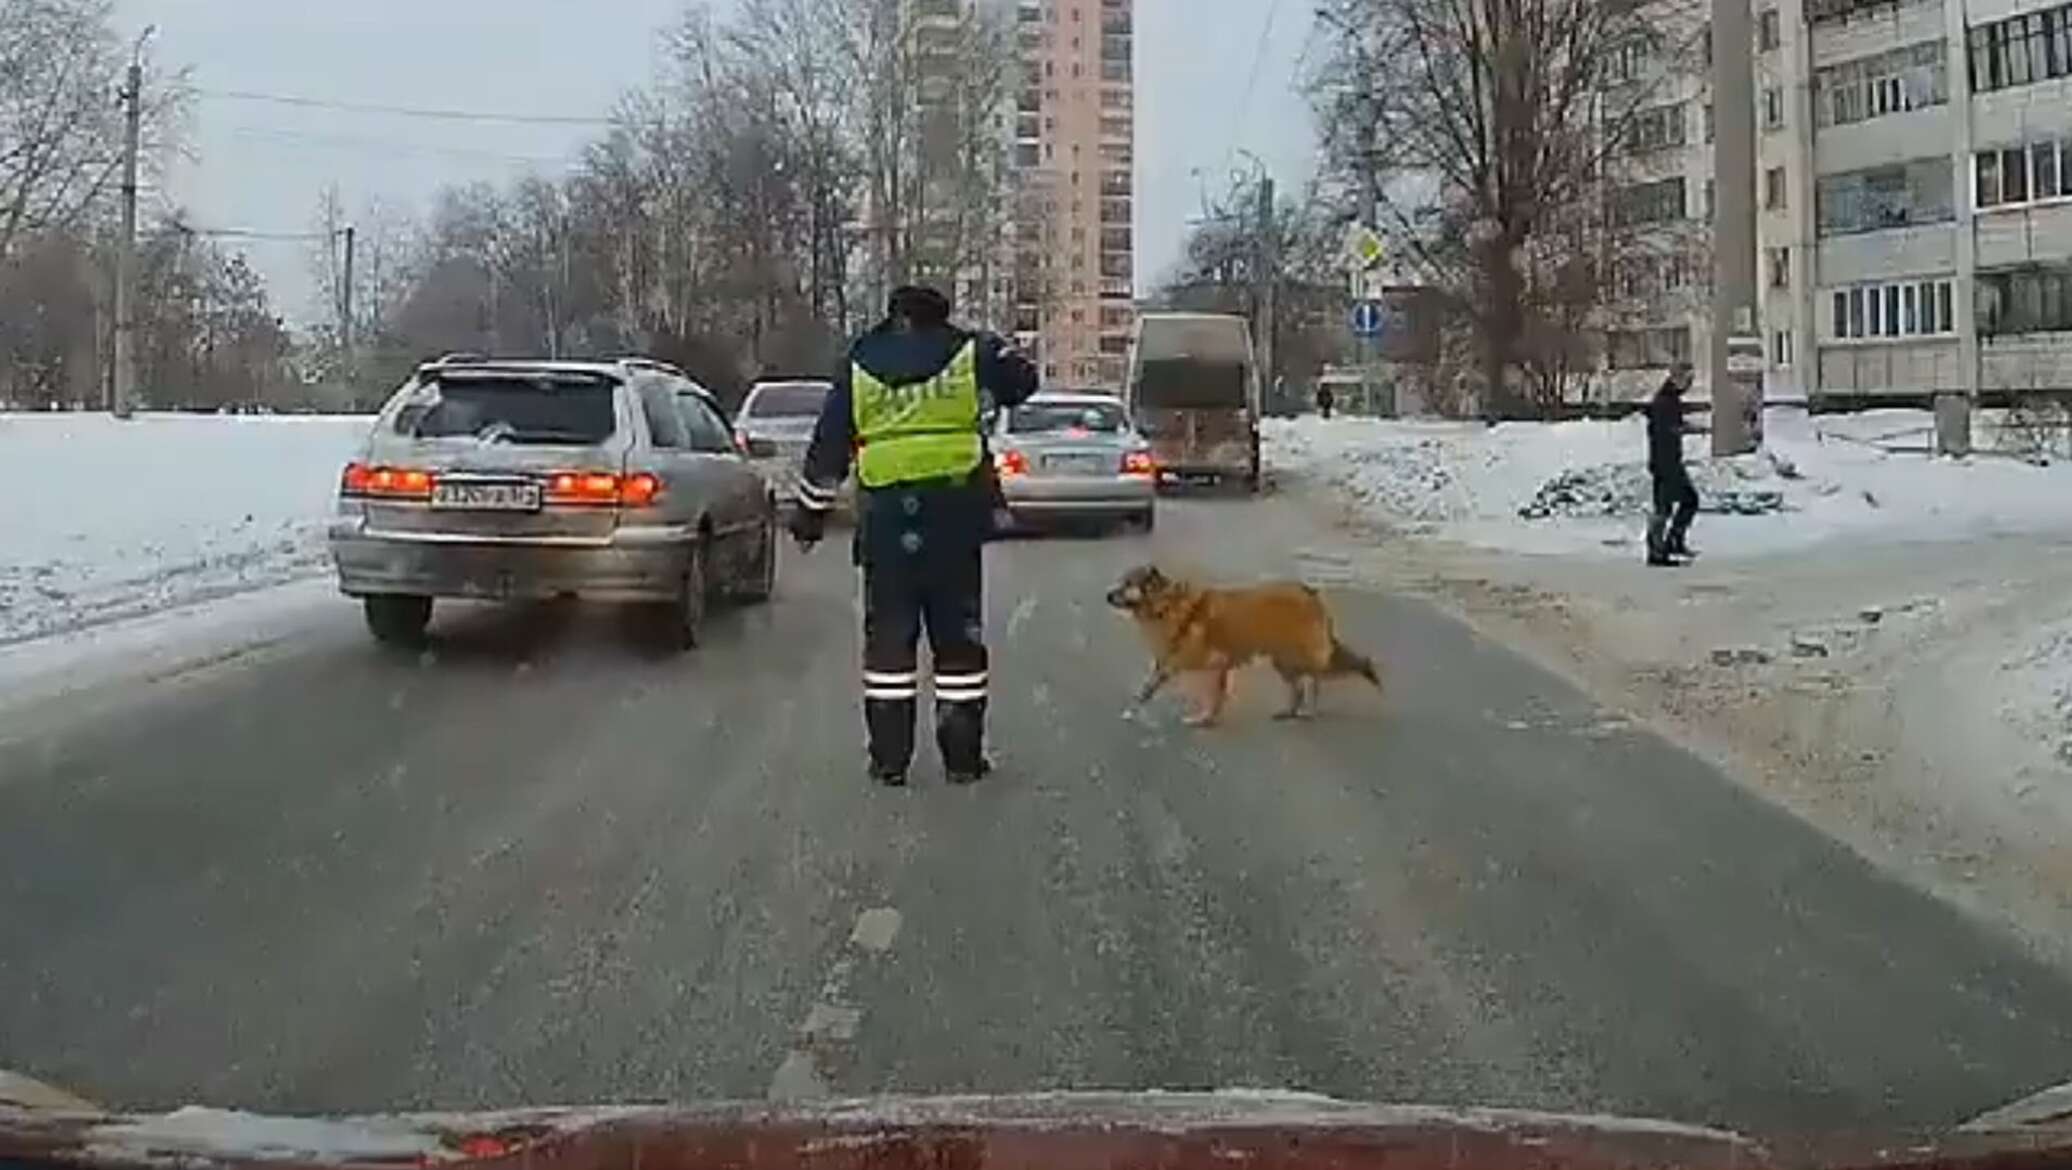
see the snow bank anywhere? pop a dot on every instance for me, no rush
(107, 520)
(1582, 487)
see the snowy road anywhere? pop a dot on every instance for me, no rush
(537, 866)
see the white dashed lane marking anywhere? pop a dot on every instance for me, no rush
(832, 1021)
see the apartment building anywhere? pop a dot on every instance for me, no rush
(1074, 237)
(1657, 296)
(1920, 237)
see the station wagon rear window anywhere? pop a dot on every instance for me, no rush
(511, 410)
(787, 400)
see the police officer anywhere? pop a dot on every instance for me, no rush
(908, 406)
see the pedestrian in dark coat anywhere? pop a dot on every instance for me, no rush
(1676, 500)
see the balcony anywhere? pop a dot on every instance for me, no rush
(1116, 184)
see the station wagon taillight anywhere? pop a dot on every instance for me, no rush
(603, 488)
(361, 480)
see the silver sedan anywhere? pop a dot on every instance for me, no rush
(1068, 456)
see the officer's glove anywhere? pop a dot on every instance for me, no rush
(808, 527)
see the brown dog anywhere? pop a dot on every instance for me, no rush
(1194, 629)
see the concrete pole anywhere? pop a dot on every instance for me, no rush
(345, 300)
(1733, 215)
(1269, 282)
(125, 388)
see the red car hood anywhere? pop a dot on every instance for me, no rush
(1060, 1131)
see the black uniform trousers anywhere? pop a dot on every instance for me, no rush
(922, 549)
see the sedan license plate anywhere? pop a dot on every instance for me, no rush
(1079, 464)
(516, 496)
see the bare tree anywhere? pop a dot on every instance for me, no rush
(1484, 134)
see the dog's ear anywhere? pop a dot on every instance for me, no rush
(1152, 577)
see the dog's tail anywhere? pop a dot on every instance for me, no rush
(1346, 660)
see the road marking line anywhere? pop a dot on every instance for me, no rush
(1023, 611)
(832, 1021)
(875, 929)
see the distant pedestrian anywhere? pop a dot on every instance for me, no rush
(1326, 399)
(1676, 500)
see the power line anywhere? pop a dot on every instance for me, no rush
(384, 145)
(1244, 103)
(279, 99)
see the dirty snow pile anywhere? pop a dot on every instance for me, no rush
(1582, 487)
(2036, 692)
(107, 520)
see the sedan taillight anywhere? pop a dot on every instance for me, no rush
(1139, 463)
(1011, 463)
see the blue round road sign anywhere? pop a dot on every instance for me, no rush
(1368, 318)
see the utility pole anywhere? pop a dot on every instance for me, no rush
(1733, 221)
(1267, 275)
(345, 302)
(125, 388)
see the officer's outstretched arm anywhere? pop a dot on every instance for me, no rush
(827, 464)
(1005, 371)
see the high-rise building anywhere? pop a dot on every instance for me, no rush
(1074, 159)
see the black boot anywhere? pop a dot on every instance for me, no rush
(970, 774)
(888, 776)
(1658, 542)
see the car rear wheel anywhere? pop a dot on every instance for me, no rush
(676, 624)
(761, 579)
(398, 620)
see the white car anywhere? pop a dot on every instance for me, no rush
(1074, 456)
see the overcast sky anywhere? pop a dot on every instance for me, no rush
(260, 166)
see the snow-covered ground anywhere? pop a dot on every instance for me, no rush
(1582, 487)
(108, 520)
(1885, 648)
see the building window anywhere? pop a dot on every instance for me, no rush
(1780, 267)
(1896, 195)
(1780, 349)
(2021, 50)
(1773, 108)
(1025, 154)
(1113, 317)
(1115, 344)
(1115, 99)
(1774, 190)
(2022, 174)
(1911, 308)
(1115, 127)
(2025, 300)
(1626, 62)
(1656, 128)
(1657, 202)
(1911, 77)
(1768, 29)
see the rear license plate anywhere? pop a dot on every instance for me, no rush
(1079, 464)
(487, 497)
